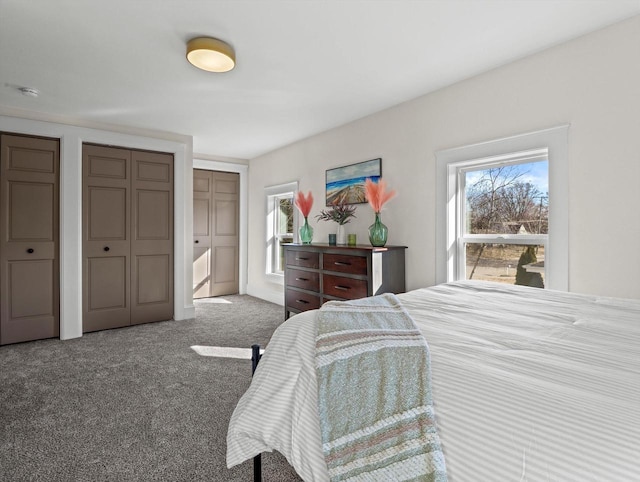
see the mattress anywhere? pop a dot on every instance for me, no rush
(528, 385)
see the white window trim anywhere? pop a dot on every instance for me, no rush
(270, 194)
(447, 163)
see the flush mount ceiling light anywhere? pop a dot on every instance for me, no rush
(211, 54)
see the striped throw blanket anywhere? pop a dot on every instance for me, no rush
(374, 393)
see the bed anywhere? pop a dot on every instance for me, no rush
(528, 385)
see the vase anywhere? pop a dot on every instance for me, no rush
(341, 235)
(306, 232)
(378, 233)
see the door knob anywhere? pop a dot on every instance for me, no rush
(106, 248)
(197, 241)
(30, 250)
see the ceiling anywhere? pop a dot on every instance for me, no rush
(303, 66)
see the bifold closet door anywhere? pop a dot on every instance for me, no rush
(202, 194)
(152, 237)
(128, 237)
(29, 214)
(225, 237)
(107, 234)
(216, 198)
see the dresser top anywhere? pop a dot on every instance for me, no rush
(340, 247)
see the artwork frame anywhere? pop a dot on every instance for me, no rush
(345, 184)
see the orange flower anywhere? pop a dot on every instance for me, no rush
(376, 194)
(304, 203)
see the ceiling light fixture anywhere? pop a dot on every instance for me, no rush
(211, 54)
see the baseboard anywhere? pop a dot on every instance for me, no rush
(188, 312)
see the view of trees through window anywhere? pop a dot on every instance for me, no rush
(284, 228)
(506, 205)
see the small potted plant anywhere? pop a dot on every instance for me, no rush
(340, 213)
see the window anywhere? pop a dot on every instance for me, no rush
(503, 205)
(281, 222)
(502, 211)
(283, 229)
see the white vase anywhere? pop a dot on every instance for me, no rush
(341, 235)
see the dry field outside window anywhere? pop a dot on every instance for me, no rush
(498, 263)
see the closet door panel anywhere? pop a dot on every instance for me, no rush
(153, 277)
(225, 236)
(202, 192)
(107, 278)
(153, 212)
(152, 242)
(108, 213)
(106, 233)
(31, 289)
(226, 263)
(29, 266)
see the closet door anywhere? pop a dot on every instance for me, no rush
(215, 233)
(106, 237)
(152, 241)
(225, 238)
(29, 214)
(202, 194)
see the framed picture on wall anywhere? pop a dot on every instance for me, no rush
(345, 185)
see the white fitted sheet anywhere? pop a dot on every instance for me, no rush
(528, 385)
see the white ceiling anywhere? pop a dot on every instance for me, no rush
(303, 66)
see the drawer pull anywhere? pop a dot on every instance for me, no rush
(341, 263)
(304, 302)
(343, 288)
(302, 279)
(301, 259)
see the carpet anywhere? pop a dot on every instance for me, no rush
(136, 403)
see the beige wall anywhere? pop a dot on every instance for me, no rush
(592, 83)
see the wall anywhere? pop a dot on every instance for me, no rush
(71, 139)
(591, 83)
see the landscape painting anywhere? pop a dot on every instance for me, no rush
(345, 185)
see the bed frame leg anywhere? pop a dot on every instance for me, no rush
(257, 460)
(257, 468)
(255, 357)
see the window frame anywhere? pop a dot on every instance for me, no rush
(272, 259)
(450, 264)
(459, 169)
(278, 236)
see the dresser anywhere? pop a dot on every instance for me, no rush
(315, 273)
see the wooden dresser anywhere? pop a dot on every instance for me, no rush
(315, 273)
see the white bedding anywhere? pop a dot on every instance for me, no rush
(528, 385)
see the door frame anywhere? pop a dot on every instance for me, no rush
(243, 171)
(72, 138)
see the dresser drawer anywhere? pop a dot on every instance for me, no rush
(307, 280)
(306, 259)
(344, 263)
(301, 301)
(341, 287)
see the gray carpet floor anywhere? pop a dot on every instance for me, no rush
(133, 404)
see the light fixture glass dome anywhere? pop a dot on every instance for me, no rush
(211, 54)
